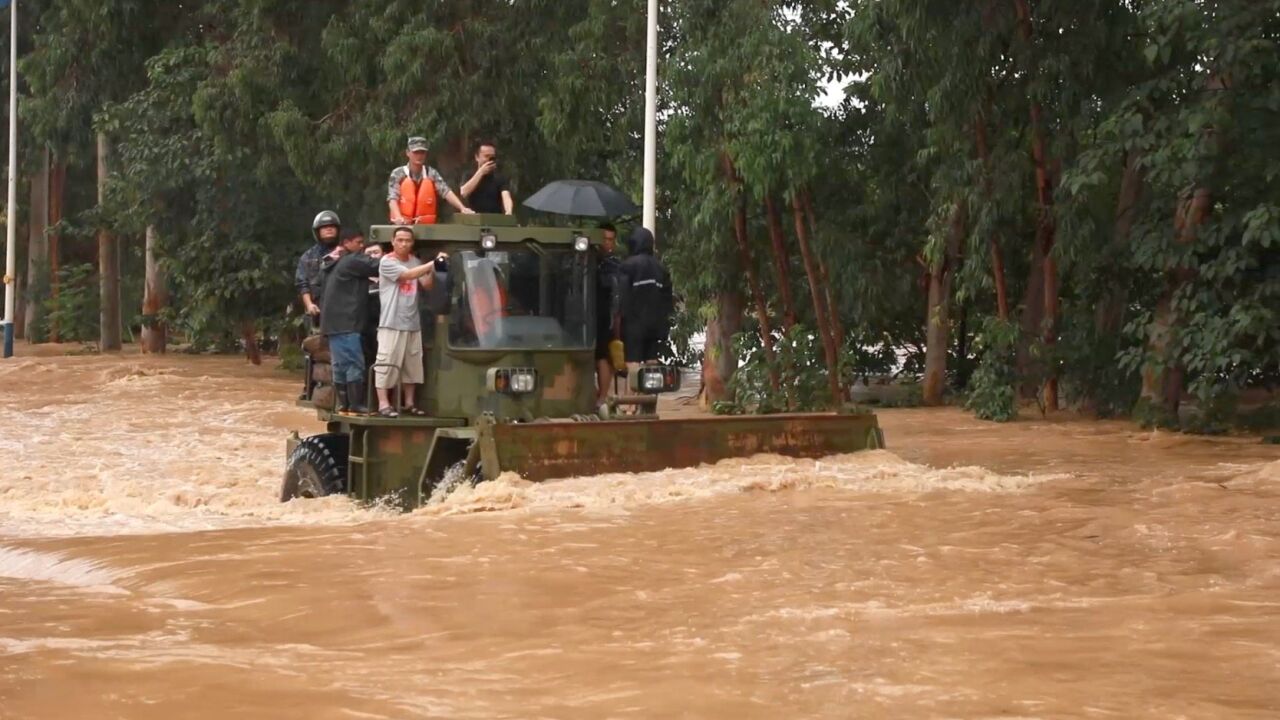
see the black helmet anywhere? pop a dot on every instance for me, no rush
(326, 217)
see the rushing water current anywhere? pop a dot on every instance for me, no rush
(1041, 569)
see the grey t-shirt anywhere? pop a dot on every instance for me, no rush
(399, 297)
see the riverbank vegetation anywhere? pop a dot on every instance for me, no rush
(1067, 204)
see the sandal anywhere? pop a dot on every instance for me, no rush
(413, 411)
(388, 412)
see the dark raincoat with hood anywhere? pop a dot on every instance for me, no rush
(645, 289)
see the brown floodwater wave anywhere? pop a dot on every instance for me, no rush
(1040, 569)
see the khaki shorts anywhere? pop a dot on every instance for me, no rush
(399, 358)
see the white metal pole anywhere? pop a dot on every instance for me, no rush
(651, 120)
(11, 210)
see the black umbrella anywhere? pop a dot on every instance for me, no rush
(581, 197)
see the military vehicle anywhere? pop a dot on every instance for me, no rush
(509, 338)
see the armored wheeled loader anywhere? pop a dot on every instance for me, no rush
(509, 337)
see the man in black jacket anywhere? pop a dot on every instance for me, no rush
(344, 316)
(608, 326)
(647, 300)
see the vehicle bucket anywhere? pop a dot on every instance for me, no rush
(547, 450)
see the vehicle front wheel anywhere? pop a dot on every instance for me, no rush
(316, 468)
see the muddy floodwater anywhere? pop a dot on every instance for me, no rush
(1040, 569)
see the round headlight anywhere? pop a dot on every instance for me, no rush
(581, 243)
(488, 241)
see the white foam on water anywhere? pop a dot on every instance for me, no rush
(137, 447)
(34, 566)
(875, 471)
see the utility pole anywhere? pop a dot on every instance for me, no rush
(651, 120)
(11, 210)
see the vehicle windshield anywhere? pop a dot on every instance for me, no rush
(527, 299)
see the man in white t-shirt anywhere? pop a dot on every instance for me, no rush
(400, 276)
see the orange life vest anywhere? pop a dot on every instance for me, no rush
(418, 199)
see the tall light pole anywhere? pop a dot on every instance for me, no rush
(651, 119)
(11, 210)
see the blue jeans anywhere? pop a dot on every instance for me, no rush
(348, 358)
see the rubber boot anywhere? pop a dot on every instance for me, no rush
(340, 394)
(355, 398)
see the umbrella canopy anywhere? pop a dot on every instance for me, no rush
(581, 197)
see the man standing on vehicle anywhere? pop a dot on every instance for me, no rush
(347, 272)
(608, 325)
(413, 190)
(324, 228)
(486, 191)
(647, 300)
(399, 362)
(306, 278)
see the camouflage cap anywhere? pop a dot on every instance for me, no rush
(417, 143)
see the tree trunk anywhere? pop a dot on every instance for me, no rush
(818, 293)
(718, 359)
(837, 326)
(1162, 380)
(57, 190)
(757, 294)
(109, 329)
(154, 299)
(1051, 311)
(1109, 314)
(249, 336)
(781, 267)
(938, 322)
(1029, 322)
(748, 267)
(997, 256)
(1163, 383)
(1046, 230)
(37, 251)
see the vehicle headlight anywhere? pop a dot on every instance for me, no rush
(654, 379)
(488, 241)
(581, 243)
(513, 381)
(523, 381)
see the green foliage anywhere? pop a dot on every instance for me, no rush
(234, 121)
(75, 311)
(992, 393)
(796, 379)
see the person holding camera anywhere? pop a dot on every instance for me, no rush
(486, 191)
(400, 276)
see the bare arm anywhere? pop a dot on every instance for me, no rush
(508, 202)
(452, 199)
(393, 212)
(469, 186)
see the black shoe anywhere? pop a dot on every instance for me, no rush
(340, 391)
(355, 398)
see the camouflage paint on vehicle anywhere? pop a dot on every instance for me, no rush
(553, 431)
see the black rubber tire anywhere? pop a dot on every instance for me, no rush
(317, 467)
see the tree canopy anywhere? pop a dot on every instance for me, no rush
(1068, 202)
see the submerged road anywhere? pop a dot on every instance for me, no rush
(1034, 570)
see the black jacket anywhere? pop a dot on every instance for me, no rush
(607, 296)
(346, 293)
(645, 286)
